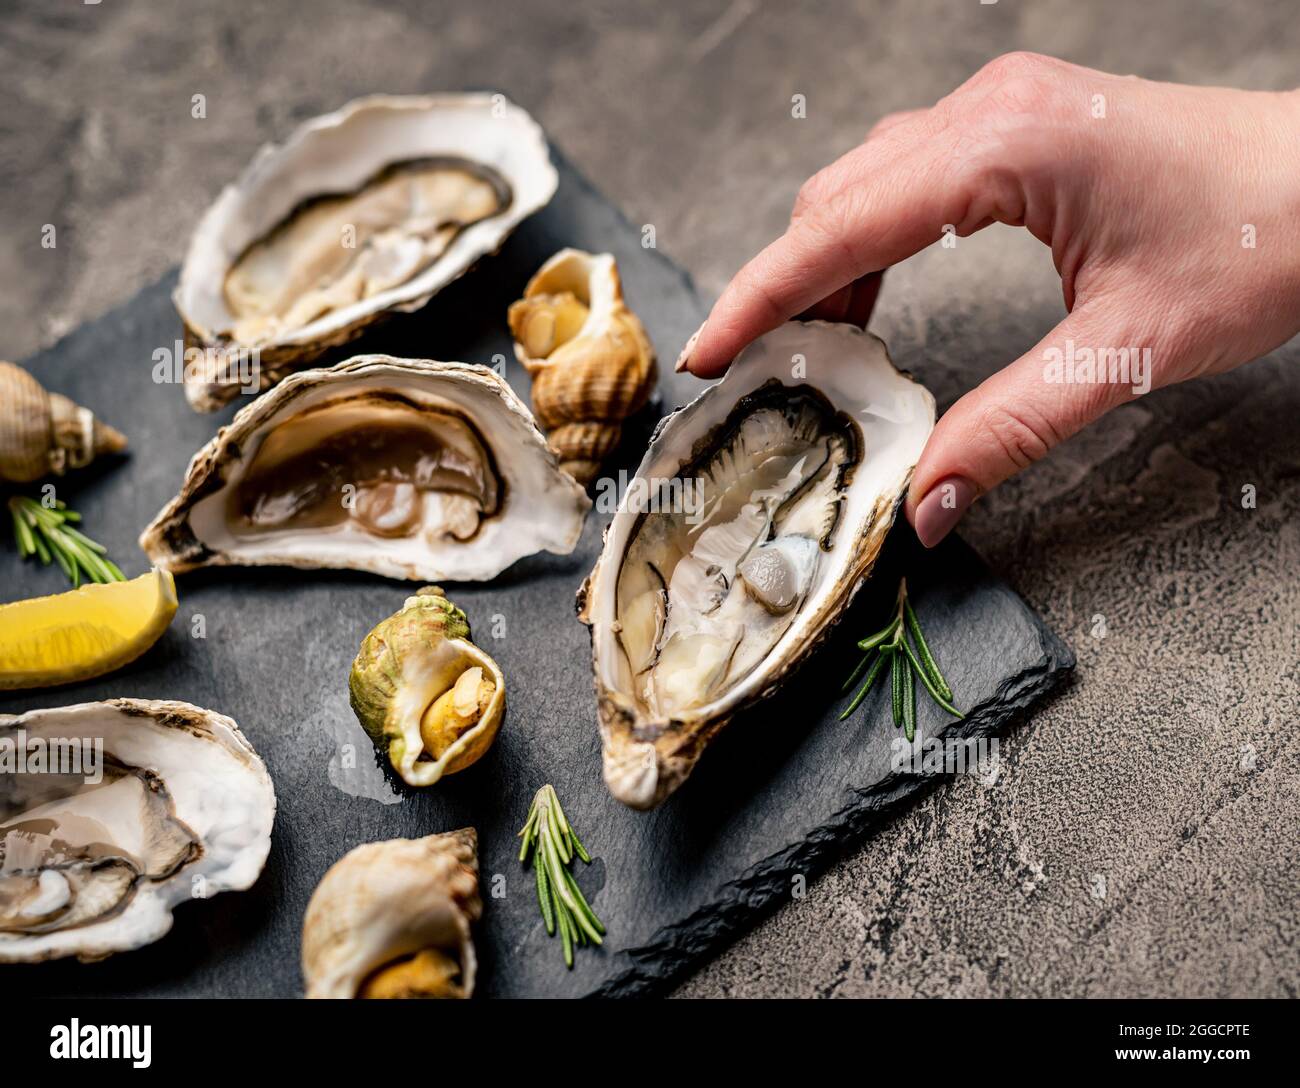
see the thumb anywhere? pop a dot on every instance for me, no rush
(1069, 378)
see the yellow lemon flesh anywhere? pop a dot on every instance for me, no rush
(86, 632)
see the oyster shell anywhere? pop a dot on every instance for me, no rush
(780, 484)
(392, 919)
(182, 809)
(590, 359)
(421, 688)
(402, 467)
(361, 213)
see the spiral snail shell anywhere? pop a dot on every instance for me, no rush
(43, 432)
(591, 362)
(392, 920)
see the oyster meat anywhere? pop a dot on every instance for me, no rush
(360, 214)
(116, 812)
(406, 468)
(392, 920)
(760, 509)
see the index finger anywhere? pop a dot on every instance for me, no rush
(897, 211)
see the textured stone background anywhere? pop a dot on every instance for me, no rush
(1141, 838)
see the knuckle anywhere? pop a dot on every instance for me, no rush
(1017, 65)
(806, 197)
(890, 120)
(1022, 434)
(812, 191)
(1020, 93)
(837, 224)
(754, 290)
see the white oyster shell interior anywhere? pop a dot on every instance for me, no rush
(493, 493)
(782, 481)
(338, 154)
(165, 802)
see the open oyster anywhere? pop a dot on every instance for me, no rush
(403, 467)
(361, 213)
(392, 919)
(113, 813)
(754, 518)
(429, 699)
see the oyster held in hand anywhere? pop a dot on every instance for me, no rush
(794, 464)
(430, 699)
(392, 920)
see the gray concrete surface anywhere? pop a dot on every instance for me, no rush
(1141, 836)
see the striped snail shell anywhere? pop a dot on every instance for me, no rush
(591, 362)
(43, 432)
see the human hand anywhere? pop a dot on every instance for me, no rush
(1173, 220)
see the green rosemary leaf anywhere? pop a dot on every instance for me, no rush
(557, 842)
(91, 564)
(578, 848)
(909, 703)
(928, 662)
(23, 532)
(896, 666)
(554, 844)
(81, 538)
(929, 686)
(581, 910)
(526, 833)
(866, 684)
(544, 899)
(858, 669)
(557, 811)
(566, 938)
(45, 532)
(42, 550)
(885, 633)
(69, 568)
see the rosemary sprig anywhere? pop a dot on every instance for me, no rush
(549, 836)
(47, 532)
(890, 647)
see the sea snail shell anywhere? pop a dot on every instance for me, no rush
(392, 919)
(591, 362)
(43, 432)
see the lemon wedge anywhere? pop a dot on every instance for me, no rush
(83, 633)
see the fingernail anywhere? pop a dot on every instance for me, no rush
(685, 356)
(942, 508)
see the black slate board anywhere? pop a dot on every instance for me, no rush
(783, 791)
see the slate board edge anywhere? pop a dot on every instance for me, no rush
(678, 950)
